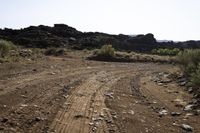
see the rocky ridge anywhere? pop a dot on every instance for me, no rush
(61, 35)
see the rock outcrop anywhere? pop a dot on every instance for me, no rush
(61, 35)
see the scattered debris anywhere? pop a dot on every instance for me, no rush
(188, 107)
(102, 114)
(179, 103)
(78, 116)
(3, 120)
(35, 106)
(162, 113)
(182, 83)
(189, 114)
(146, 130)
(155, 109)
(65, 96)
(175, 124)
(65, 88)
(52, 73)
(110, 95)
(38, 119)
(154, 102)
(197, 95)
(162, 78)
(198, 112)
(89, 67)
(114, 116)
(91, 123)
(94, 128)
(160, 84)
(175, 114)
(190, 90)
(23, 105)
(24, 96)
(131, 112)
(186, 127)
(143, 121)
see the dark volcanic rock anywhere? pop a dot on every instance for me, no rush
(61, 35)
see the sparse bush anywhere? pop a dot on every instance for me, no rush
(5, 47)
(189, 59)
(190, 63)
(195, 77)
(106, 51)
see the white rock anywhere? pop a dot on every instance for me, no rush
(132, 112)
(163, 112)
(52, 73)
(186, 127)
(23, 105)
(91, 123)
(110, 95)
(188, 107)
(189, 114)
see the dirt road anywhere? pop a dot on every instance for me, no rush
(64, 95)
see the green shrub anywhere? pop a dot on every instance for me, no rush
(5, 47)
(195, 77)
(106, 51)
(189, 59)
(190, 63)
(165, 51)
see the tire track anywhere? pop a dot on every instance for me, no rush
(78, 116)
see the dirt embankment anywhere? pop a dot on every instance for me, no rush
(62, 95)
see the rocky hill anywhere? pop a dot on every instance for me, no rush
(61, 35)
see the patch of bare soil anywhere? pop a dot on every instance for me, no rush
(72, 95)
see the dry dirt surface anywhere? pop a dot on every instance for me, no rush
(71, 95)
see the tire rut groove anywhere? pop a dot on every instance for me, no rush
(81, 106)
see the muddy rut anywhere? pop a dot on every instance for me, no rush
(77, 96)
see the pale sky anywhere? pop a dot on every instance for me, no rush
(177, 20)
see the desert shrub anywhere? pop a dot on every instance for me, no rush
(2, 60)
(165, 51)
(189, 59)
(5, 47)
(195, 77)
(190, 63)
(54, 51)
(106, 51)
